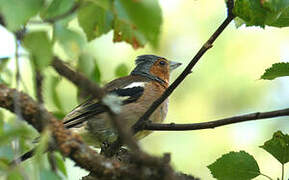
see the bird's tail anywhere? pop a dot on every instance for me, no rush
(23, 157)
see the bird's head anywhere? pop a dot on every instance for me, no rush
(154, 67)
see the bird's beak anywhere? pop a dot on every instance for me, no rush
(174, 65)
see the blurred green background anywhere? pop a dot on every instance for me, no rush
(226, 82)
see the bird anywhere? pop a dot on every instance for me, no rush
(135, 93)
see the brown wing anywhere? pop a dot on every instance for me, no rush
(92, 107)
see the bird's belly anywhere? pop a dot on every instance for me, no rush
(99, 129)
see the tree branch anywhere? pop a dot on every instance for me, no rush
(216, 123)
(72, 146)
(141, 122)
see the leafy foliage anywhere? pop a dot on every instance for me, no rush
(56, 8)
(235, 165)
(94, 20)
(261, 13)
(71, 41)
(16, 13)
(40, 48)
(278, 147)
(88, 66)
(121, 70)
(137, 22)
(277, 70)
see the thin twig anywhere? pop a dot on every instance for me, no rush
(138, 126)
(268, 177)
(39, 80)
(78, 79)
(216, 123)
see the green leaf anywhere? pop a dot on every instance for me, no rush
(57, 8)
(121, 70)
(3, 63)
(42, 146)
(14, 175)
(39, 47)
(94, 20)
(235, 165)
(276, 70)
(261, 13)
(88, 66)
(59, 114)
(12, 133)
(48, 175)
(18, 12)
(278, 147)
(55, 95)
(60, 163)
(250, 11)
(239, 22)
(71, 41)
(283, 19)
(137, 22)
(4, 163)
(275, 5)
(96, 75)
(105, 4)
(1, 121)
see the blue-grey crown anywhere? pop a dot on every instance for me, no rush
(143, 65)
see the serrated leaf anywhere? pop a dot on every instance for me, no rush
(278, 147)
(282, 20)
(276, 70)
(94, 20)
(57, 8)
(121, 70)
(251, 12)
(275, 5)
(71, 41)
(261, 13)
(18, 12)
(235, 165)
(39, 47)
(137, 22)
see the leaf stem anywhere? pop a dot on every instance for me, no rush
(266, 176)
(282, 177)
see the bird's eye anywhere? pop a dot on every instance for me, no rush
(162, 63)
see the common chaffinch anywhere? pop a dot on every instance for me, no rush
(137, 91)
